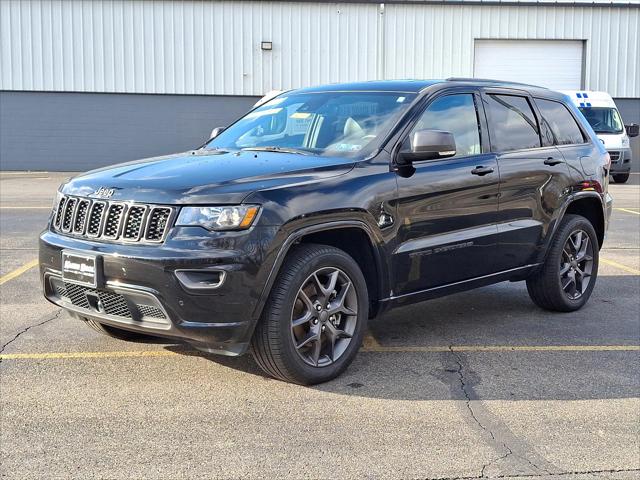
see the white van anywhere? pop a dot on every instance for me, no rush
(602, 114)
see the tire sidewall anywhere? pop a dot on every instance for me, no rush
(298, 367)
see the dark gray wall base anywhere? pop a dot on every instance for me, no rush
(80, 131)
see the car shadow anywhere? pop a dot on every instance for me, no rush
(499, 315)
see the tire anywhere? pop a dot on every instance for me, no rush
(283, 350)
(115, 332)
(545, 287)
(621, 177)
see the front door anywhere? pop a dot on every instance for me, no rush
(447, 207)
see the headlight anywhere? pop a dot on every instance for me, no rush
(237, 217)
(625, 142)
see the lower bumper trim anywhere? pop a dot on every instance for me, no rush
(114, 304)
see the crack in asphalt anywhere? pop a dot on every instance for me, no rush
(17, 335)
(538, 475)
(507, 449)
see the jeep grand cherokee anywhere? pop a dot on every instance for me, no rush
(326, 206)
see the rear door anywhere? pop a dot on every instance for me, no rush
(560, 128)
(533, 176)
(447, 207)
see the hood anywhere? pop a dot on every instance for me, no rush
(205, 176)
(613, 141)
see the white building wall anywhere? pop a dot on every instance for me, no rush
(195, 47)
(213, 47)
(436, 41)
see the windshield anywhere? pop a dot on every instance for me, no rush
(603, 119)
(326, 123)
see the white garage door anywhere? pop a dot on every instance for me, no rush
(555, 64)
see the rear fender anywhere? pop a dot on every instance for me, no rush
(555, 223)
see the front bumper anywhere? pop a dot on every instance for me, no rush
(141, 292)
(620, 160)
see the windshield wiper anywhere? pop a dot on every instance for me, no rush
(276, 149)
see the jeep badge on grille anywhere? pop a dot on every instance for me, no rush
(104, 192)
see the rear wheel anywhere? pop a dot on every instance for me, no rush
(621, 177)
(114, 332)
(566, 280)
(314, 321)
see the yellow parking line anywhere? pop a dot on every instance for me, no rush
(377, 349)
(18, 271)
(627, 210)
(65, 355)
(620, 266)
(505, 348)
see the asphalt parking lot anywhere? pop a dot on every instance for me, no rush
(480, 384)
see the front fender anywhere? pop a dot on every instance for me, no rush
(292, 233)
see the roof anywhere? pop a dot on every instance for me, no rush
(410, 86)
(405, 86)
(587, 98)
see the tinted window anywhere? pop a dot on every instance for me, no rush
(561, 126)
(344, 124)
(603, 120)
(512, 123)
(456, 114)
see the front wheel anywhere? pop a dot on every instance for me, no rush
(621, 177)
(314, 321)
(566, 280)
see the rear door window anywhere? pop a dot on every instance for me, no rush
(562, 128)
(512, 125)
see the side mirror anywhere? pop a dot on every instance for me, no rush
(428, 145)
(632, 130)
(215, 132)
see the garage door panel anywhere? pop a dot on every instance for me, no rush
(554, 64)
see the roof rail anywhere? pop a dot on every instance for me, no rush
(489, 80)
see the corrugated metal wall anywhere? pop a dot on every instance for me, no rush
(438, 41)
(213, 47)
(195, 47)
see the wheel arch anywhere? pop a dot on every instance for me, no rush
(591, 208)
(587, 204)
(362, 245)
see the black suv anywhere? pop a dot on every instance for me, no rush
(326, 206)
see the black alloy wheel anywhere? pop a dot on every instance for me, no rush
(324, 316)
(568, 275)
(314, 321)
(576, 264)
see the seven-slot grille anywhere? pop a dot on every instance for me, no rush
(99, 219)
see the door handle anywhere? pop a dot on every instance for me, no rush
(482, 171)
(552, 161)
